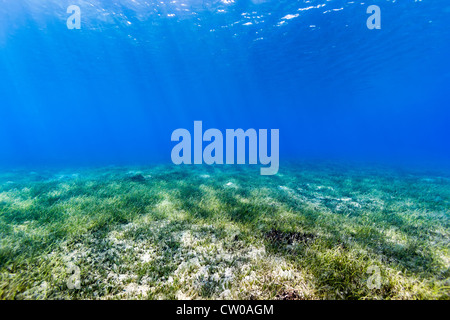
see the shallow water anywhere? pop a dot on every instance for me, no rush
(115, 90)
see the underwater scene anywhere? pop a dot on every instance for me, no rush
(224, 150)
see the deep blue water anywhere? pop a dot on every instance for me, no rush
(113, 91)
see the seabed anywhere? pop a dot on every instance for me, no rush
(314, 231)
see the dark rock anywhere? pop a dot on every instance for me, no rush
(290, 295)
(289, 237)
(137, 178)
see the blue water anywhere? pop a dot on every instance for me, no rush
(113, 91)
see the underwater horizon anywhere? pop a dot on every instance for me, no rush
(124, 173)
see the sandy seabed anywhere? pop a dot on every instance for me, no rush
(314, 231)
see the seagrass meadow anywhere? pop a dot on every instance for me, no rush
(313, 231)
